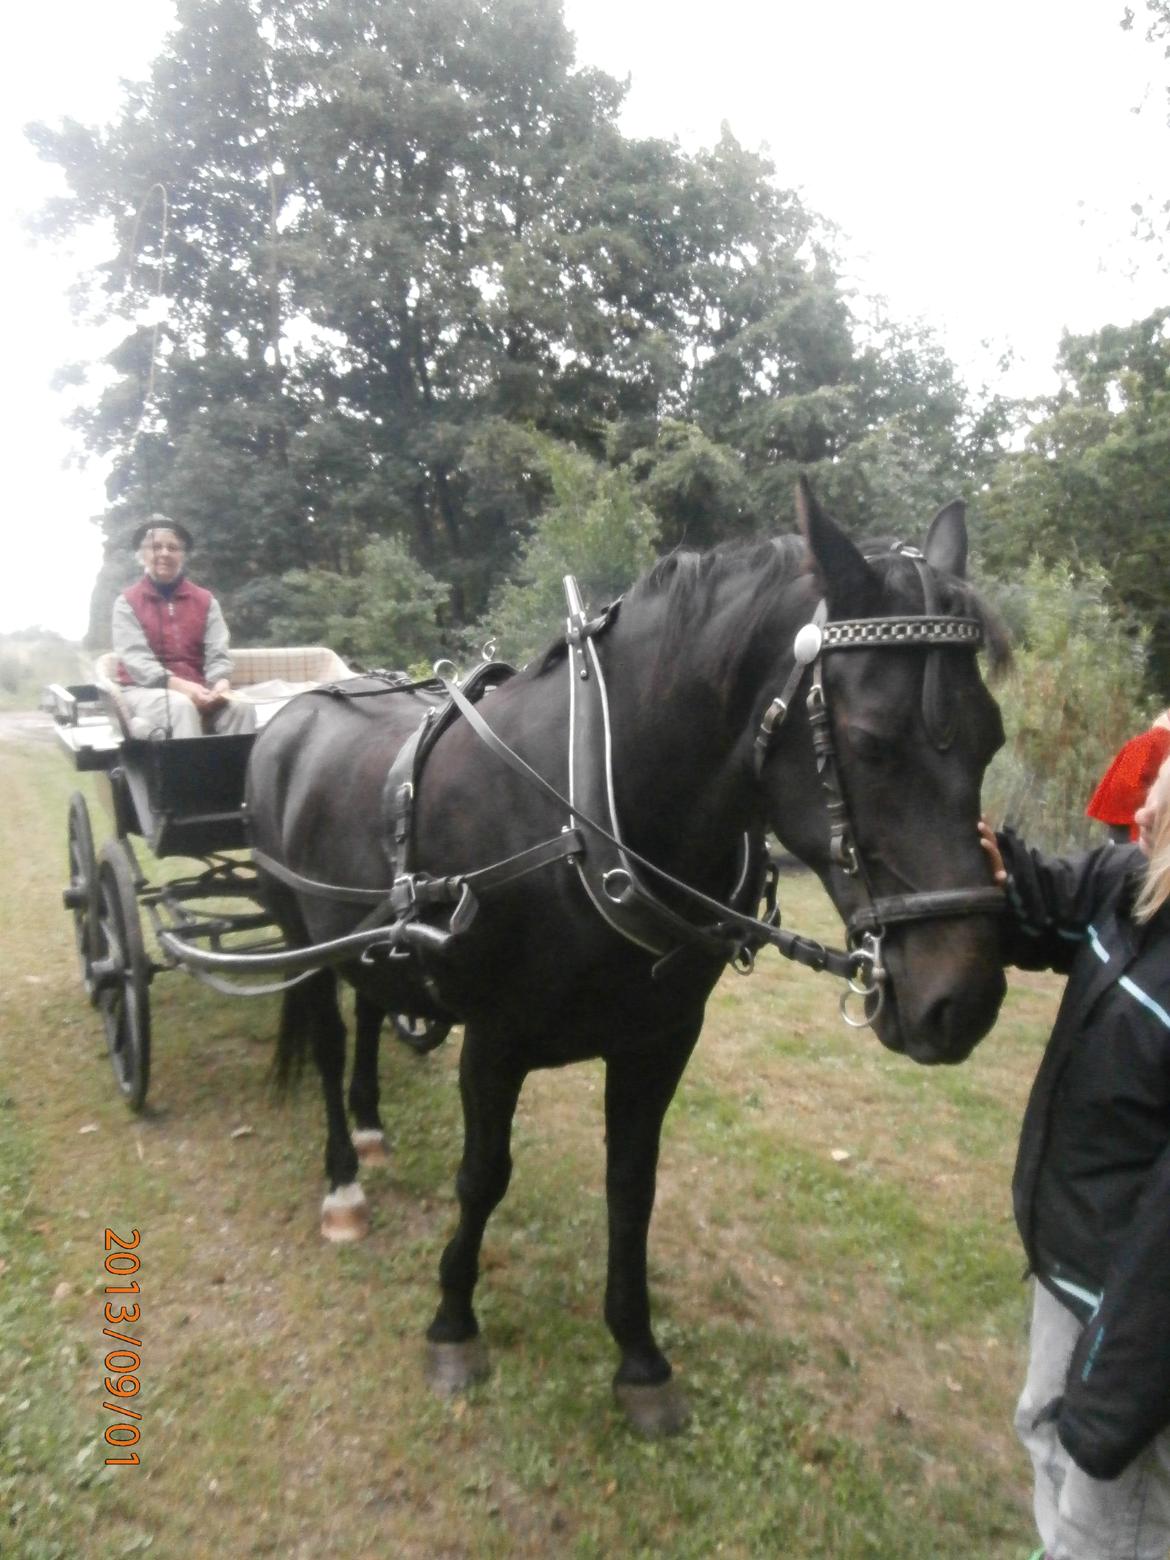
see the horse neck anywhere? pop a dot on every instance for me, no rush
(683, 716)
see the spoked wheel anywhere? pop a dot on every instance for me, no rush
(81, 897)
(420, 1034)
(122, 974)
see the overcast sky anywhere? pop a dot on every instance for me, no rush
(982, 163)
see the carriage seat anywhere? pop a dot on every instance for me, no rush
(265, 676)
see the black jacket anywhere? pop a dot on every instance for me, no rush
(1092, 1179)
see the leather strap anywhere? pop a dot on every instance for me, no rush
(928, 904)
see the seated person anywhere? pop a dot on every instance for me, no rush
(172, 644)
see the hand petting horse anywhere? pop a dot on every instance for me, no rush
(581, 851)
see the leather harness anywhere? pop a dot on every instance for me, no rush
(614, 875)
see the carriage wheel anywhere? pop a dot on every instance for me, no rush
(81, 897)
(122, 974)
(420, 1034)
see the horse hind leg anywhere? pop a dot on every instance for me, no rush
(344, 1215)
(369, 1137)
(489, 1089)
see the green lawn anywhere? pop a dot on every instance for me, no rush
(834, 1270)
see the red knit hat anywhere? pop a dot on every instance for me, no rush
(1123, 786)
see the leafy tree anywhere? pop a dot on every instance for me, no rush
(386, 233)
(1092, 485)
(595, 527)
(698, 489)
(1153, 215)
(387, 614)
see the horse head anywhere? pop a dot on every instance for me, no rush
(887, 755)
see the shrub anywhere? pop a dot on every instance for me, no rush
(1074, 695)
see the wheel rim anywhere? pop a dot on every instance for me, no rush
(124, 997)
(81, 895)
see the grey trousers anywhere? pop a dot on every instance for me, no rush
(1080, 1518)
(154, 709)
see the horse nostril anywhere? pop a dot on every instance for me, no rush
(953, 1025)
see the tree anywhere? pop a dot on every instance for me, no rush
(1153, 215)
(385, 233)
(594, 527)
(387, 614)
(1092, 485)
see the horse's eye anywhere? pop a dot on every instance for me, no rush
(869, 747)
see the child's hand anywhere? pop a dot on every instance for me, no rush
(990, 845)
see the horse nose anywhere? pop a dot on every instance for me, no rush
(949, 1027)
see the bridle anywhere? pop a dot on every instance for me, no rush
(866, 927)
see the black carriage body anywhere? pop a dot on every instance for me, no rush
(184, 796)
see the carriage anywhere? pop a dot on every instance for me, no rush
(183, 799)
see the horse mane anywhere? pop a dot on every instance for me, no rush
(688, 582)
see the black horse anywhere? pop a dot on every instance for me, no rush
(699, 724)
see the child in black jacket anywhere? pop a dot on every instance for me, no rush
(1092, 1188)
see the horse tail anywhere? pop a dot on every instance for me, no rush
(294, 1039)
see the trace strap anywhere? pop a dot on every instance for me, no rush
(803, 950)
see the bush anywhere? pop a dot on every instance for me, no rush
(1072, 698)
(596, 528)
(387, 615)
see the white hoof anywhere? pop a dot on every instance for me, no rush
(344, 1214)
(370, 1144)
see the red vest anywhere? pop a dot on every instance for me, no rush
(174, 629)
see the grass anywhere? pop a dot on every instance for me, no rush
(849, 1330)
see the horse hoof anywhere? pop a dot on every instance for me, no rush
(653, 1411)
(344, 1214)
(453, 1367)
(370, 1145)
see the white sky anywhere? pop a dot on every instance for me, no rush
(982, 161)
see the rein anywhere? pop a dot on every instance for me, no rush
(621, 884)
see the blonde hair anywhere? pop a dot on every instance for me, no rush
(1155, 889)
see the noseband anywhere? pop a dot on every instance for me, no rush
(867, 925)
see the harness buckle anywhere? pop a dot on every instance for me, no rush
(404, 895)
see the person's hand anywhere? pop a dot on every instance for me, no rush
(217, 694)
(989, 843)
(193, 690)
(186, 687)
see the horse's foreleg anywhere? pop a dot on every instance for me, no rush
(489, 1089)
(344, 1215)
(639, 1085)
(369, 1139)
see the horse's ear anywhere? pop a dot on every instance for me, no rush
(946, 540)
(849, 583)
